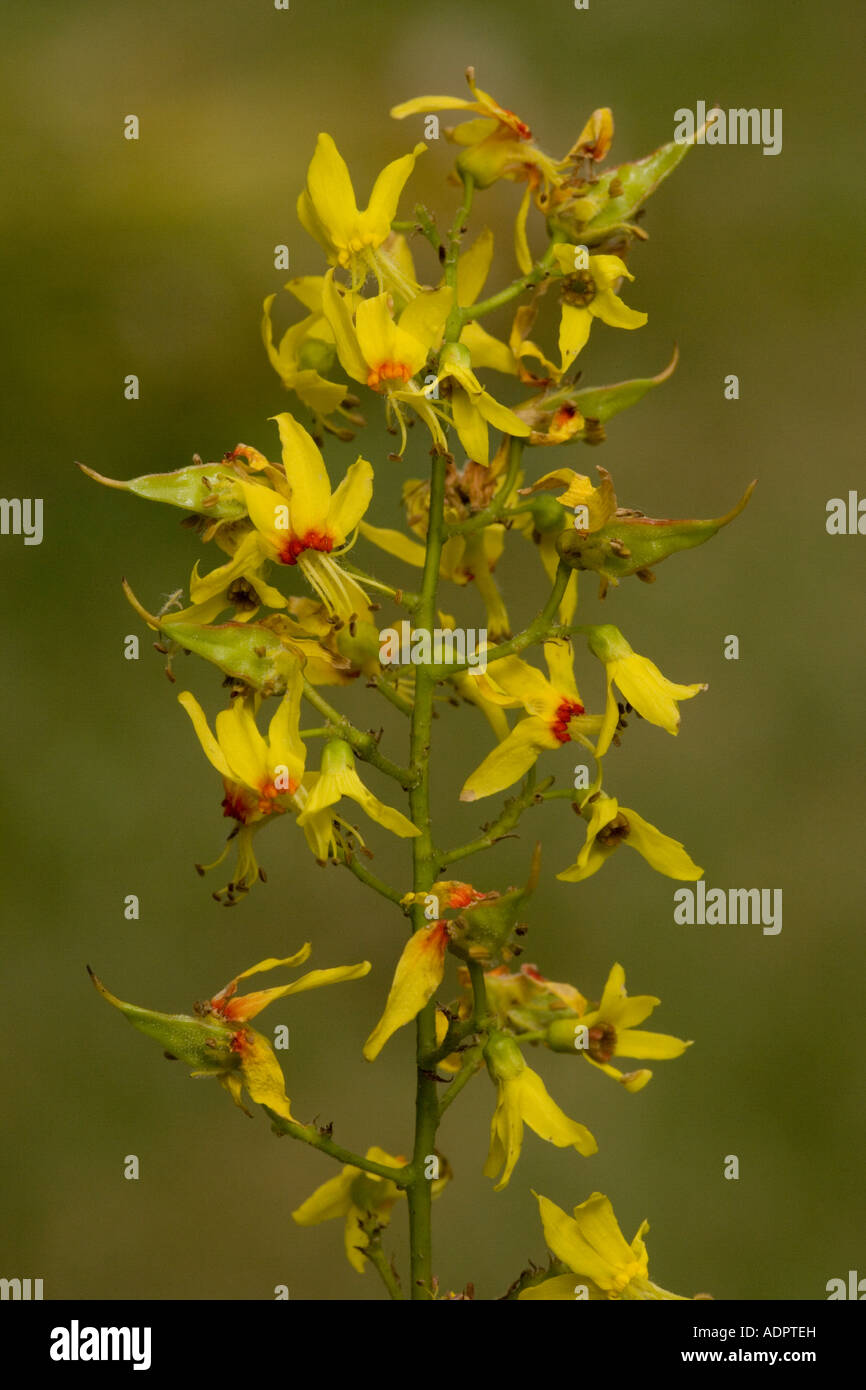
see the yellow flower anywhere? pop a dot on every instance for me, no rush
(243, 593)
(338, 778)
(259, 774)
(587, 293)
(422, 963)
(303, 522)
(357, 1196)
(473, 267)
(555, 716)
(608, 1031)
(525, 1001)
(386, 352)
(641, 682)
(307, 352)
(593, 506)
(472, 407)
(610, 826)
(595, 139)
(216, 1042)
(592, 1246)
(497, 142)
(261, 777)
(353, 239)
(579, 505)
(523, 1099)
(419, 971)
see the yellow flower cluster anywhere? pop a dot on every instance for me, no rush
(288, 613)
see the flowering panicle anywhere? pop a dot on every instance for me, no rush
(296, 608)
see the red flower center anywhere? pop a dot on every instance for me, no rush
(237, 803)
(240, 1041)
(313, 540)
(565, 711)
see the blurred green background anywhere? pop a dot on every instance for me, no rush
(153, 258)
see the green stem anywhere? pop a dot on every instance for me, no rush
(504, 823)
(455, 319)
(365, 876)
(473, 1061)
(512, 291)
(380, 1262)
(364, 745)
(424, 874)
(419, 1192)
(539, 630)
(308, 1135)
(392, 695)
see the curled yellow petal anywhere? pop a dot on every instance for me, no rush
(419, 972)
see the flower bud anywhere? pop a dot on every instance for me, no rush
(481, 932)
(503, 1057)
(631, 543)
(249, 652)
(562, 1036)
(359, 643)
(204, 1045)
(210, 489)
(547, 513)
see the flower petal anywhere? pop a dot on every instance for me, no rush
(665, 855)
(212, 750)
(244, 746)
(331, 1200)
(521, 244)
(473, 267)
(611, 310)
(487, 351)
(419, 972)
(574, 328)
(542, 1114)
(394, 543)
(635, 1042)
(306, 474)
(331, 192)
(566, 1239)
(470, 425)
(510, 760)
(350, 501)
(338, 311)
(381, 210)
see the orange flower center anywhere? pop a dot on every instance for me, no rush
(565, 420)
(268, 794)
(388, 371)
(565, 711)
(464, 895)
(313, 540)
